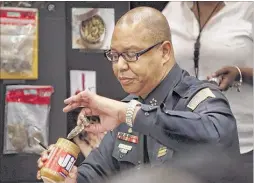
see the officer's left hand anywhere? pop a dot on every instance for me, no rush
(229, 75)
(87, 141)
(111, 112)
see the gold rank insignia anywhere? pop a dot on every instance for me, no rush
(200, 97)
(162, 151)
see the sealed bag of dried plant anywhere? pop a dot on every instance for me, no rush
(26, 118)
(19, 43)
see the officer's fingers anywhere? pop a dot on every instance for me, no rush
(101, 135)
(40, 163)
(99, 138)
(92, 137)
(73, 172)
(95, 128)
(93, 143)
(50, 148)
(38, 175)
(42, 159)
(71, 106)
(74, 99)
(45, 154)
(86, 111)
(72, 178)
(79, 142)
(79, 122)
(82, 117)
(220, 72)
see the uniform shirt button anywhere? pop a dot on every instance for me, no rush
(139, 162)
(146, 114)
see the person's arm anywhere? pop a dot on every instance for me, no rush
(247, 74)
(99, 164)
(230, 74)
(211, 121)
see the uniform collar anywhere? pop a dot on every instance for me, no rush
(129, 98)
(157, 96)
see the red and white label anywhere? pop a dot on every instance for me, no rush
(60, 161)
(39, 96)
(17, 16)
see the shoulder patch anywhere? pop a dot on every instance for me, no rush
(200, 97)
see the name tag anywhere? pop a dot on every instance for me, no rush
(124, 146)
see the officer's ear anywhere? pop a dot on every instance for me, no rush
(166, 49)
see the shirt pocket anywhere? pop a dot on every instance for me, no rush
(126, 159)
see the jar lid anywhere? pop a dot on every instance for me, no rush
(66, 143)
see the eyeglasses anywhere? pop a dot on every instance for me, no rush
(127, 56)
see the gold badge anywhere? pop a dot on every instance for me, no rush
(162, 151)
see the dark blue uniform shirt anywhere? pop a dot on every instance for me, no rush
(170, 124)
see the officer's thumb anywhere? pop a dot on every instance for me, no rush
(72, 178)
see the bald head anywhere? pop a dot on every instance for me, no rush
(141, 35)
(148, 20)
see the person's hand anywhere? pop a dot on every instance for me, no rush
(42, 160)
(228, 76)
(87, 141)
(110, 112)
(72, 177)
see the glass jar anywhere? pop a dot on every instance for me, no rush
(60, 161)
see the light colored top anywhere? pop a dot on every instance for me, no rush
(226, 40)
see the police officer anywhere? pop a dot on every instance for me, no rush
(167, 111)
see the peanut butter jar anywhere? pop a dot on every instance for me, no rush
(60, 161)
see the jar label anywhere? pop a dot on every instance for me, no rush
(60, 161)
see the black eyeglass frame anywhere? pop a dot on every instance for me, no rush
(137, 54)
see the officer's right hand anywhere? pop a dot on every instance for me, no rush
(87, 141)
(72, 177)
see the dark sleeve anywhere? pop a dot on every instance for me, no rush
(211, 121)
(99, 164)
